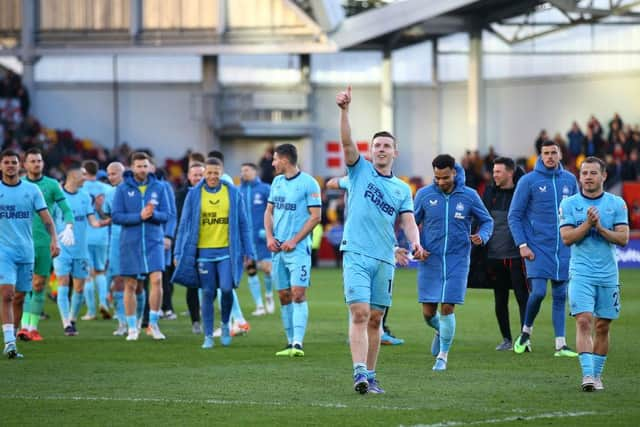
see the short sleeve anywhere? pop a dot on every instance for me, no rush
(343, 183)
(621, 214)
(313, 193)
(88, 207)
(407, 202)
(273, 185)
(38, 200)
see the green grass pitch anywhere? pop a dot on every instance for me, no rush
(98, 379)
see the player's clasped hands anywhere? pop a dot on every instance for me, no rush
(288, 246)
(593, 216)
(343, 99)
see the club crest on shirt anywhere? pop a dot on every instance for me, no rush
(257, 199)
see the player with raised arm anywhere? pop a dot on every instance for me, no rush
(376, 199)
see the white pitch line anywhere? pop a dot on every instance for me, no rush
(203, 401)
(508, 419)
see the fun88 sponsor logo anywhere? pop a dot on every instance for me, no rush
(11, 212)
(280, 203)
(374, 194)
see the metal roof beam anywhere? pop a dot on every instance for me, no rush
(388, 19)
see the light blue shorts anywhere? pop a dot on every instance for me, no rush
(20, 275)
(98, 255)
(602, 301)
(367, 280)
(77, 267)
(291, 269)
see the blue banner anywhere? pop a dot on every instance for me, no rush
(629, 256)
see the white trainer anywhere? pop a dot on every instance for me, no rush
(155, 333)
(260, 311)
(597, 384)
(588, 384)
(132, 335)
(270, 306)
(121, 331)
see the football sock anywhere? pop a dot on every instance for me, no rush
(598, 364)
(299, 319)
(434, 321)
(268, 286)
(26, 311)
(37, 304)
(118, 298)
(131, 323)
(586, 363)
(447, 331)
(8, 332)
(256, 292)
(90, 297)
(359, 368)
(141, 300)
(63, 304)
(236, 310)
(286, 312)
(103, 289)
(153, 317)
(76, 304)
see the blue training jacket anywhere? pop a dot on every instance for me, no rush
(186, 249)
(446, 229)
(171, 224)
(141, 242)
(256, 194)
(533, 219)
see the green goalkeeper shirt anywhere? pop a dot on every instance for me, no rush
(53, 195)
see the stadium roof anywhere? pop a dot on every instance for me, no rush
(284, 26)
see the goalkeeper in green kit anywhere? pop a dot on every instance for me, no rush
(27, 317)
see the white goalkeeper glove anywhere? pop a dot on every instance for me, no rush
(66, 236)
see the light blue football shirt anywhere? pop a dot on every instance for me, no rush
(374, 202)
(594, 257)
(108, 207)
(97, 236)
(291, 199)
(18, 204)
(80, 204)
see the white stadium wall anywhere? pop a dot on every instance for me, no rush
(161, 116)
(156, 116)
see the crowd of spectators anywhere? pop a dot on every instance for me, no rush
(618, 145)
